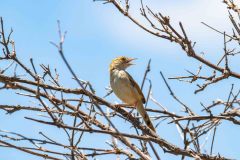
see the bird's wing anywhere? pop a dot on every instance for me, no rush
(135, 85)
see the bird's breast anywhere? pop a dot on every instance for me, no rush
(122, 87)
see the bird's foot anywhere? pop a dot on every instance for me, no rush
(129, 114)
(126, 106)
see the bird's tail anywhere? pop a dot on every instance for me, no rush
(145, 116)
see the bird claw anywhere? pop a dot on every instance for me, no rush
(117, 106)
(129, 114)
(123, 106)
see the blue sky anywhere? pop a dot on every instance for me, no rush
(96, 34)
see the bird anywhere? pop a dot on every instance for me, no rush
(125, 87)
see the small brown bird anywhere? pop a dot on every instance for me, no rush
(126, 89)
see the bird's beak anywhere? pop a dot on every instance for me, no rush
(130, 61)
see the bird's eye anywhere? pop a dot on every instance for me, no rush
(123, 58)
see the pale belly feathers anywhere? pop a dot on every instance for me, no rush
(123, 88)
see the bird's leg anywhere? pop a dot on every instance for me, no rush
(129, 113)
(126, 106)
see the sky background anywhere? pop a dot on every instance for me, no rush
(97, 33)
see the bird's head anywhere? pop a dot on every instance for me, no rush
(121, 63)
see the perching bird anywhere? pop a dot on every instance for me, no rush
(126, 89)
